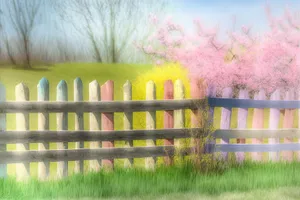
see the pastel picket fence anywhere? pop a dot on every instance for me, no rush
(101, 134)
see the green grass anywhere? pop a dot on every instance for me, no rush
(287, 193)
(179, 180)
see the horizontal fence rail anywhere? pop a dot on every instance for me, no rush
(10, 137)
(140, 106)
(100, 106)
(7, 137)
(256, 133)
(87, 154)
(254, 147)
(249, 103)
(133, 152)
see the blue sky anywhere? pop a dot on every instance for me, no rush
(213, 12)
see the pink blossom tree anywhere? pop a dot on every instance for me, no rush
(267, 62)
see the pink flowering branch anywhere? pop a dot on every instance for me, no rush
(268, 62)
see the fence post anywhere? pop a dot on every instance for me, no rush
(95, 122)
(107, 91)
(168, 118)
(225, 119)
(43, 124)
(150, 123)
(288, 121)
(3, 167)
(62, 124)
(258, 123)
(79, 122)
(179, 115)
(128, 123)
(22, 123)
(274, 124)
(242, 123)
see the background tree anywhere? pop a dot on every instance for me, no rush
(110, 26)
(267, 62)
(23, 17)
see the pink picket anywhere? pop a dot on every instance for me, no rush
(274, 124)
(288, 120)
(197, 92)
(242, 123)
(258, 123)
(107, 94)
(225, 119)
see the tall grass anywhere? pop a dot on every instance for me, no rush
(164, 180)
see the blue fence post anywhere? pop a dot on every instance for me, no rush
(43, 124)
(62, 124)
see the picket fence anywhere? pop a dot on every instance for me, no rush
(101, 135)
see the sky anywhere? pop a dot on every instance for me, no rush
(213, 12)
(250, 13)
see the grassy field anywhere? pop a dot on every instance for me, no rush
(248, 182)
(88, 72)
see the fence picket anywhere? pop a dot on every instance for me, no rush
(150, 123)
(128, 122)
(288, 120)
(168, 118)
(225, 119)
(79, 122)
(107, 92)
(179, 115)
(257, 123)
(242, 123)
(22, 124)
(43, 124)
(274, 124)
(3, 167)
(62, 124)
(197, 92)
(95, 122)
(211, 92)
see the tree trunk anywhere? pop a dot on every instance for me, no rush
(27, 53)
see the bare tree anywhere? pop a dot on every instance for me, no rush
(110, 26)
(23, 16)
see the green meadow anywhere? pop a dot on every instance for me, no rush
(249, 181)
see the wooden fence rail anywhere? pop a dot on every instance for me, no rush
(104, 106)
(101, 135)
(11, 137)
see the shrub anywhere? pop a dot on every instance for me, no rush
(159, 75)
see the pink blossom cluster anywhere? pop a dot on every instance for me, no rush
(269, 62)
